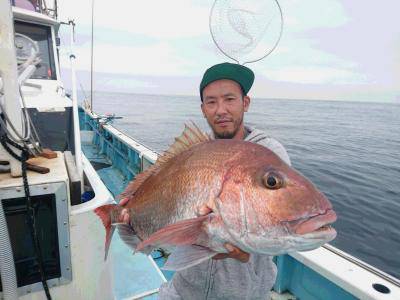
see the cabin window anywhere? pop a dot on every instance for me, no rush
(42, 35)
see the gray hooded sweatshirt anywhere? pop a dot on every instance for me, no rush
(228, 278)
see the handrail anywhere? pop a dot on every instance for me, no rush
(102, 194)
(77, 135)
(363, 265)
(39, 6)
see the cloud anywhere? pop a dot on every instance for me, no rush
(315, 75)
(303, 15)
(325, 43)
(140, 37)
(159, 19)
(122, 84)
(155, 59)
(300, 61)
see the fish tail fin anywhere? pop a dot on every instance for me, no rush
(104, 212)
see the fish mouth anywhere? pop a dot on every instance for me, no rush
(319, 224)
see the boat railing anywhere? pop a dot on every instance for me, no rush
(46, 7)
(363, 265)
(132, 154)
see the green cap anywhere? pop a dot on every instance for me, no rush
(238, 73)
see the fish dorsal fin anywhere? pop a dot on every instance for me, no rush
(132, 187)
(191, 135)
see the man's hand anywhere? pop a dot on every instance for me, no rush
(234, 252)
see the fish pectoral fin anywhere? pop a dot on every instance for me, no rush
(184, 232)
(128, 235)
(187, 256)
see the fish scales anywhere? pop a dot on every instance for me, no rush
(257, 202)
(182, 185)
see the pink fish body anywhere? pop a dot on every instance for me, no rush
(259, 203)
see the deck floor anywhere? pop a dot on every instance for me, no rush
(133, 274)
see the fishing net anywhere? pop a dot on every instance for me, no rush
(246, 31)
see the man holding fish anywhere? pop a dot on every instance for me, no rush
(237, 275)
(223, 206)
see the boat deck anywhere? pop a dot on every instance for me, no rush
(124, 262)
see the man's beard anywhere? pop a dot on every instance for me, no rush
(229, 135)
(225, 135)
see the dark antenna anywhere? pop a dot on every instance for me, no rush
(91, 63)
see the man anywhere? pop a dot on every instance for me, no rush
(236, 275)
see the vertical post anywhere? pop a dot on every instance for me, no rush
(91, 61)
(77, 132)
(9, 75)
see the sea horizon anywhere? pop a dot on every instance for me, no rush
(394, 101)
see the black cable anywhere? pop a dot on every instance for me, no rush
(4, 140)
(32, 224)
(31, 216)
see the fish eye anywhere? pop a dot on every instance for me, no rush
(272, 181)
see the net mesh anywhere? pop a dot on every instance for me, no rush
(246, 31)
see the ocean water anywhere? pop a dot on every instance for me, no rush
(350, 150)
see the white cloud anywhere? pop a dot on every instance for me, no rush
(158, 19)
(301, 15)
(154, 27)
(299, 61)
(325, 42)
(156, 59)
(303, 51)
(315, 75)
(122, 84)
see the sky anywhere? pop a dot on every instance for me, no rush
(329, 50)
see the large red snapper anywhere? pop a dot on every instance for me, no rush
(259, 203)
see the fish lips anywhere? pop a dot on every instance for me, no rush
(318, 224)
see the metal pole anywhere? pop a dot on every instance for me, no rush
(77, 132)
(9, 75)
(91, 62)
